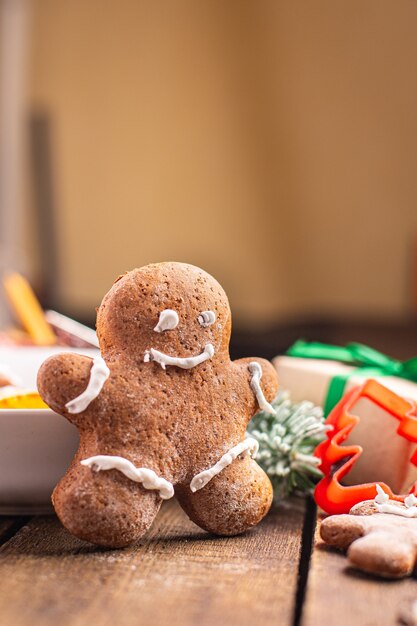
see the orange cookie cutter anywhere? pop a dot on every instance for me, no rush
(337, 460)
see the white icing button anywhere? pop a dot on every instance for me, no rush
(147, 477)
(256, 370)
(168, 320)
(248, 446)
(206, 318)
(99, 373)
(185, 363)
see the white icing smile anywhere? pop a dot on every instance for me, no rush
(168, 320)
(150, 479)
(147, 477)
(185, 363)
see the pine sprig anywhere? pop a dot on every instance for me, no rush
(286, 444)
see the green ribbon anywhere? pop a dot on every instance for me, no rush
(367, 362)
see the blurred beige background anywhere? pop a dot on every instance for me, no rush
(273, 143)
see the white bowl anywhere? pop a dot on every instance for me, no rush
(36, 445)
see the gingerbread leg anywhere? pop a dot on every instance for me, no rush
(232, 502)
(105, 508)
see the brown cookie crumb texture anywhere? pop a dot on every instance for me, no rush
(232, 502)
(176, 422)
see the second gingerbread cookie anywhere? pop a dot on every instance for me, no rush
(163, 412)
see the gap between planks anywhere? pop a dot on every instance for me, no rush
(307, 541)
(176, 575)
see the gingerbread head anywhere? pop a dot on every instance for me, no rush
(162, 412)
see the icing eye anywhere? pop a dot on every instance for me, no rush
(168, 320)
(206, 318)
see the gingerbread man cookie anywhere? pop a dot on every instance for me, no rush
(162, 412)
(380, 535)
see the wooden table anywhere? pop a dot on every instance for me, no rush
(179, 575)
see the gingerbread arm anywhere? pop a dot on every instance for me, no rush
(256, 369)
(341, 531)
(69, 383)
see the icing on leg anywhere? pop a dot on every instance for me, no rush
(147, 477)
(248, 446)
(229, 504)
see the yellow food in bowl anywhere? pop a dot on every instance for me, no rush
(23, 401)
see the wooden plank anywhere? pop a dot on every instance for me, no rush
(338, 594)
(177, 575)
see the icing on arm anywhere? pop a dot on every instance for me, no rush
(99, 373)
(147, 477)
(168, 320)
(256, 371)
(248, 446)
(185, 363)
